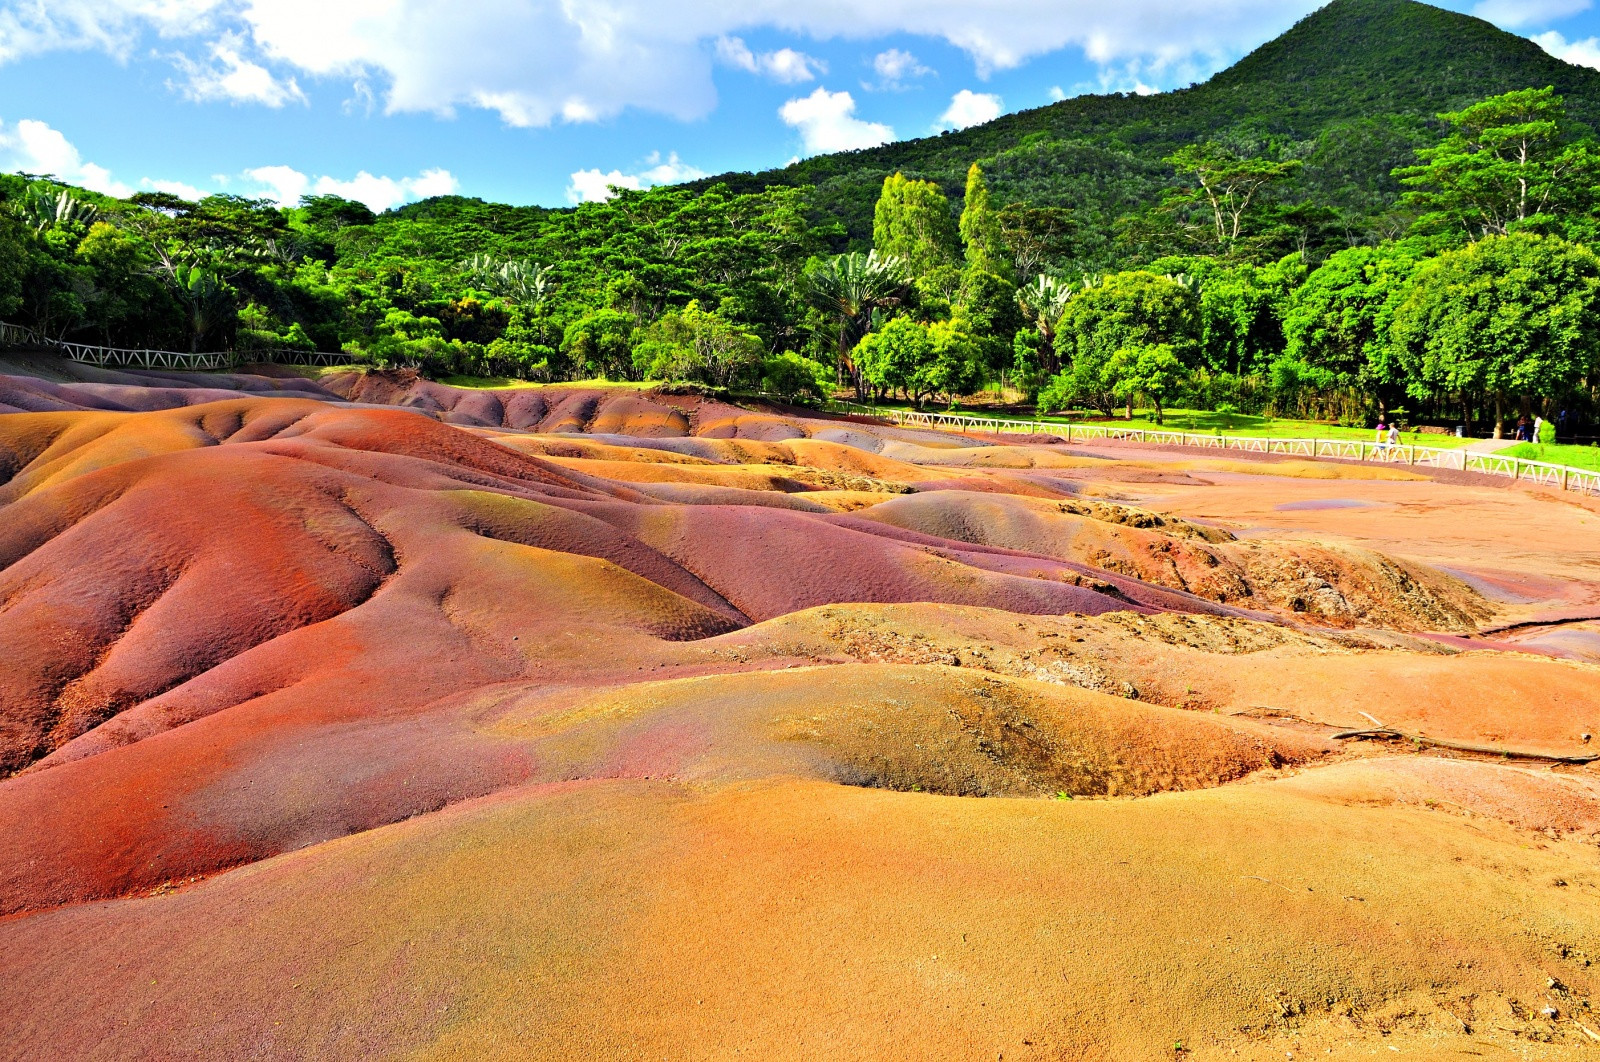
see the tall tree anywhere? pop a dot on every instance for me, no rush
(912, 222)
(1508, 162)
(1338, 322)
(849, 288)
(1124, 311)
(1507, 316)
(1227, 185)
(980, 227)
(1042, 303)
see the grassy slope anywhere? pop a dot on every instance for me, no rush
(1557, 454)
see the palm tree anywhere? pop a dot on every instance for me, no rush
(1043, 301)
(850, 287)
(41, 210)
(524, 283)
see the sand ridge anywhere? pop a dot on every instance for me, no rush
(586, 721)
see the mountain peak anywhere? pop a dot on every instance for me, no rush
(1385, 51)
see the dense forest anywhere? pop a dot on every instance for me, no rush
(1390, 206)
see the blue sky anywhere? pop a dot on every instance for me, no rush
(545, 101)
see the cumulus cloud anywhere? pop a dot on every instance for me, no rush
(177, 188)
(285, 185)
(535, 62)
(34, 147)
(896, 66)
(592, 186)
(1518, 13)
(1580, 53)
(785, 65)
(827, 122)
(970, 108)
(230, 76)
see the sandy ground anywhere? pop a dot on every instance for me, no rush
(618, 725)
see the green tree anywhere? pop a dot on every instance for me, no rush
(1337, 325)
(1227, 185)
(849, 288)
(1508, 162)
(1042, 301)
(1242, 307)
(891, 357)
(600, 344)
(794, 377)
(695, 345)
(980, 227)
(1154, 372)
(1124, 311)
(1507, 316)
(912, 222)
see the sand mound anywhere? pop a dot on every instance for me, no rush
(918, 729)
(565, 721)
(1340, 587)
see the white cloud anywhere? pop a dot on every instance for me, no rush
(34, 147)
(970, 108)
(1580, 53)
(231, 77)
(1057, 94)
(177, 188)
(827, 122)
(29, 27)
(1517, 13)
(592, 186)
(535, 62)
(896, 66)
(785, 65)
(285, 185)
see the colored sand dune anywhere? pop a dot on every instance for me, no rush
(375, 717)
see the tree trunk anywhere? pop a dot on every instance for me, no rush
(1130, 410)
(1499, 415)
(1157, 403)
(1466, 414)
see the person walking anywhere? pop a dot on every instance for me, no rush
(1538, 423)
(1381, 434)
(1394, 435)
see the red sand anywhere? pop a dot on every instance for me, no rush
(640, 746)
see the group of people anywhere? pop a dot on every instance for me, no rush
(1387, 435)
(1528, 431)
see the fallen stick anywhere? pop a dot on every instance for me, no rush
(1384, 733)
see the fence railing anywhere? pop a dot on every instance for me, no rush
(14, 336)
(1564, 477)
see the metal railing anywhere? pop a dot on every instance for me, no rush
(1563, 477)
(15, 336)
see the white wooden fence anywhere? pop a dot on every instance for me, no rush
(15, 336)
(1563, 477)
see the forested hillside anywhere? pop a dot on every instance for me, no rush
(1352, 90)
(1323, 228)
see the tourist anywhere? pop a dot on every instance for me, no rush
(1394, 433)
(1382, 433)
(1538, 422)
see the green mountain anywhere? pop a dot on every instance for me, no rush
(1352, 88)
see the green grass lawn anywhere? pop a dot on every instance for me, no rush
(1557, 454)
(1207, 422)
